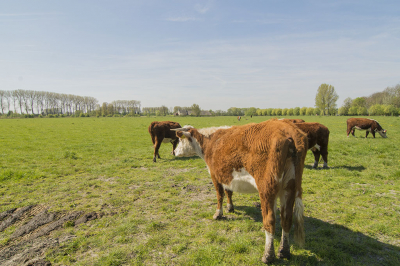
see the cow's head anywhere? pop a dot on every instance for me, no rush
(185, 147)
(382, 133)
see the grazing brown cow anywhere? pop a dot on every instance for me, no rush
(161, 132)
(267, 158)
(369, 125)
(293, 120)
(318, 138)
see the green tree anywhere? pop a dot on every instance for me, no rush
(376, 109)
(389, 110)
(296, 111)
(353, 110)
(303, 111)
(362, 110)
(326, 98)
(196, 109)
(310, 111)
(251, 111)
(359, 102)
(343, 111)
(285, 111)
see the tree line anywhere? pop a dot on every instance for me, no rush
(31, 102)
(386, 102)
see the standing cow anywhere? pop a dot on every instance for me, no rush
(267, 158)
(161, 132)
(369, 125)
(318, 138)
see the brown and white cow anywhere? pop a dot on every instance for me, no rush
(369, 125)
(267, 158)
(161, 132)
(318, 138)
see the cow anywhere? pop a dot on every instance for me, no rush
(238, 118)
(369, 125)
(160, 131)
(293, 120)
(267, 158)
(318, 138)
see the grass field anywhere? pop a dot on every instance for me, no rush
(161, 213)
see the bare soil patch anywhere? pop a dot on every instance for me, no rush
(31, 238)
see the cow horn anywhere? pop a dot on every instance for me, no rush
(180, 129)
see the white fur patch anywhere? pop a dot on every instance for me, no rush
(269, 240)
(242, 182)
(167, 140)
(317, 147)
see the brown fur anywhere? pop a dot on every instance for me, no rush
(364, 124)
(317, 134)
(160, 130)
(266, 151)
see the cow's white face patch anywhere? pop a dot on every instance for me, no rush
(184, 149)
(242, 182)
(382, 133)
(188, 148)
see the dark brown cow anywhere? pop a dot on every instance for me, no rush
(293, 120)
(267, 158)
(318, 138)
(369, 125)
(161, 132)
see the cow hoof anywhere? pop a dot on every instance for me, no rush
(230, 208)
(325, 167)
(268, 259)
(154, 159)
(217, 216)
(284, 254)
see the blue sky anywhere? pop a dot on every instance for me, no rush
(218, 54)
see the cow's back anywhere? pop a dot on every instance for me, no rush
(251, 145)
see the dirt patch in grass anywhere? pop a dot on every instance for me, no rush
(29, 241)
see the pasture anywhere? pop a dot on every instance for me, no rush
(161, 213)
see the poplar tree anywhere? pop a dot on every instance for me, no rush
(326, 98)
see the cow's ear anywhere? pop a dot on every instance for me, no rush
(183, 134)
(186, 134)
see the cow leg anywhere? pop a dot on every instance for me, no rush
(220, 198)
(230, 203)
(268, 213)
(317, 154)
(352, 132)
(324, 153)
(174, 144)
(373, 133)
(156, 148)
(366, 133)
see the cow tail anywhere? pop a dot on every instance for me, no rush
(299, 235)
(301, 143)
(151, 131)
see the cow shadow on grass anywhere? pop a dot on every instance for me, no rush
(358, 168)
(330, 243)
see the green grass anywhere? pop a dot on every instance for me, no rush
(161, 213)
